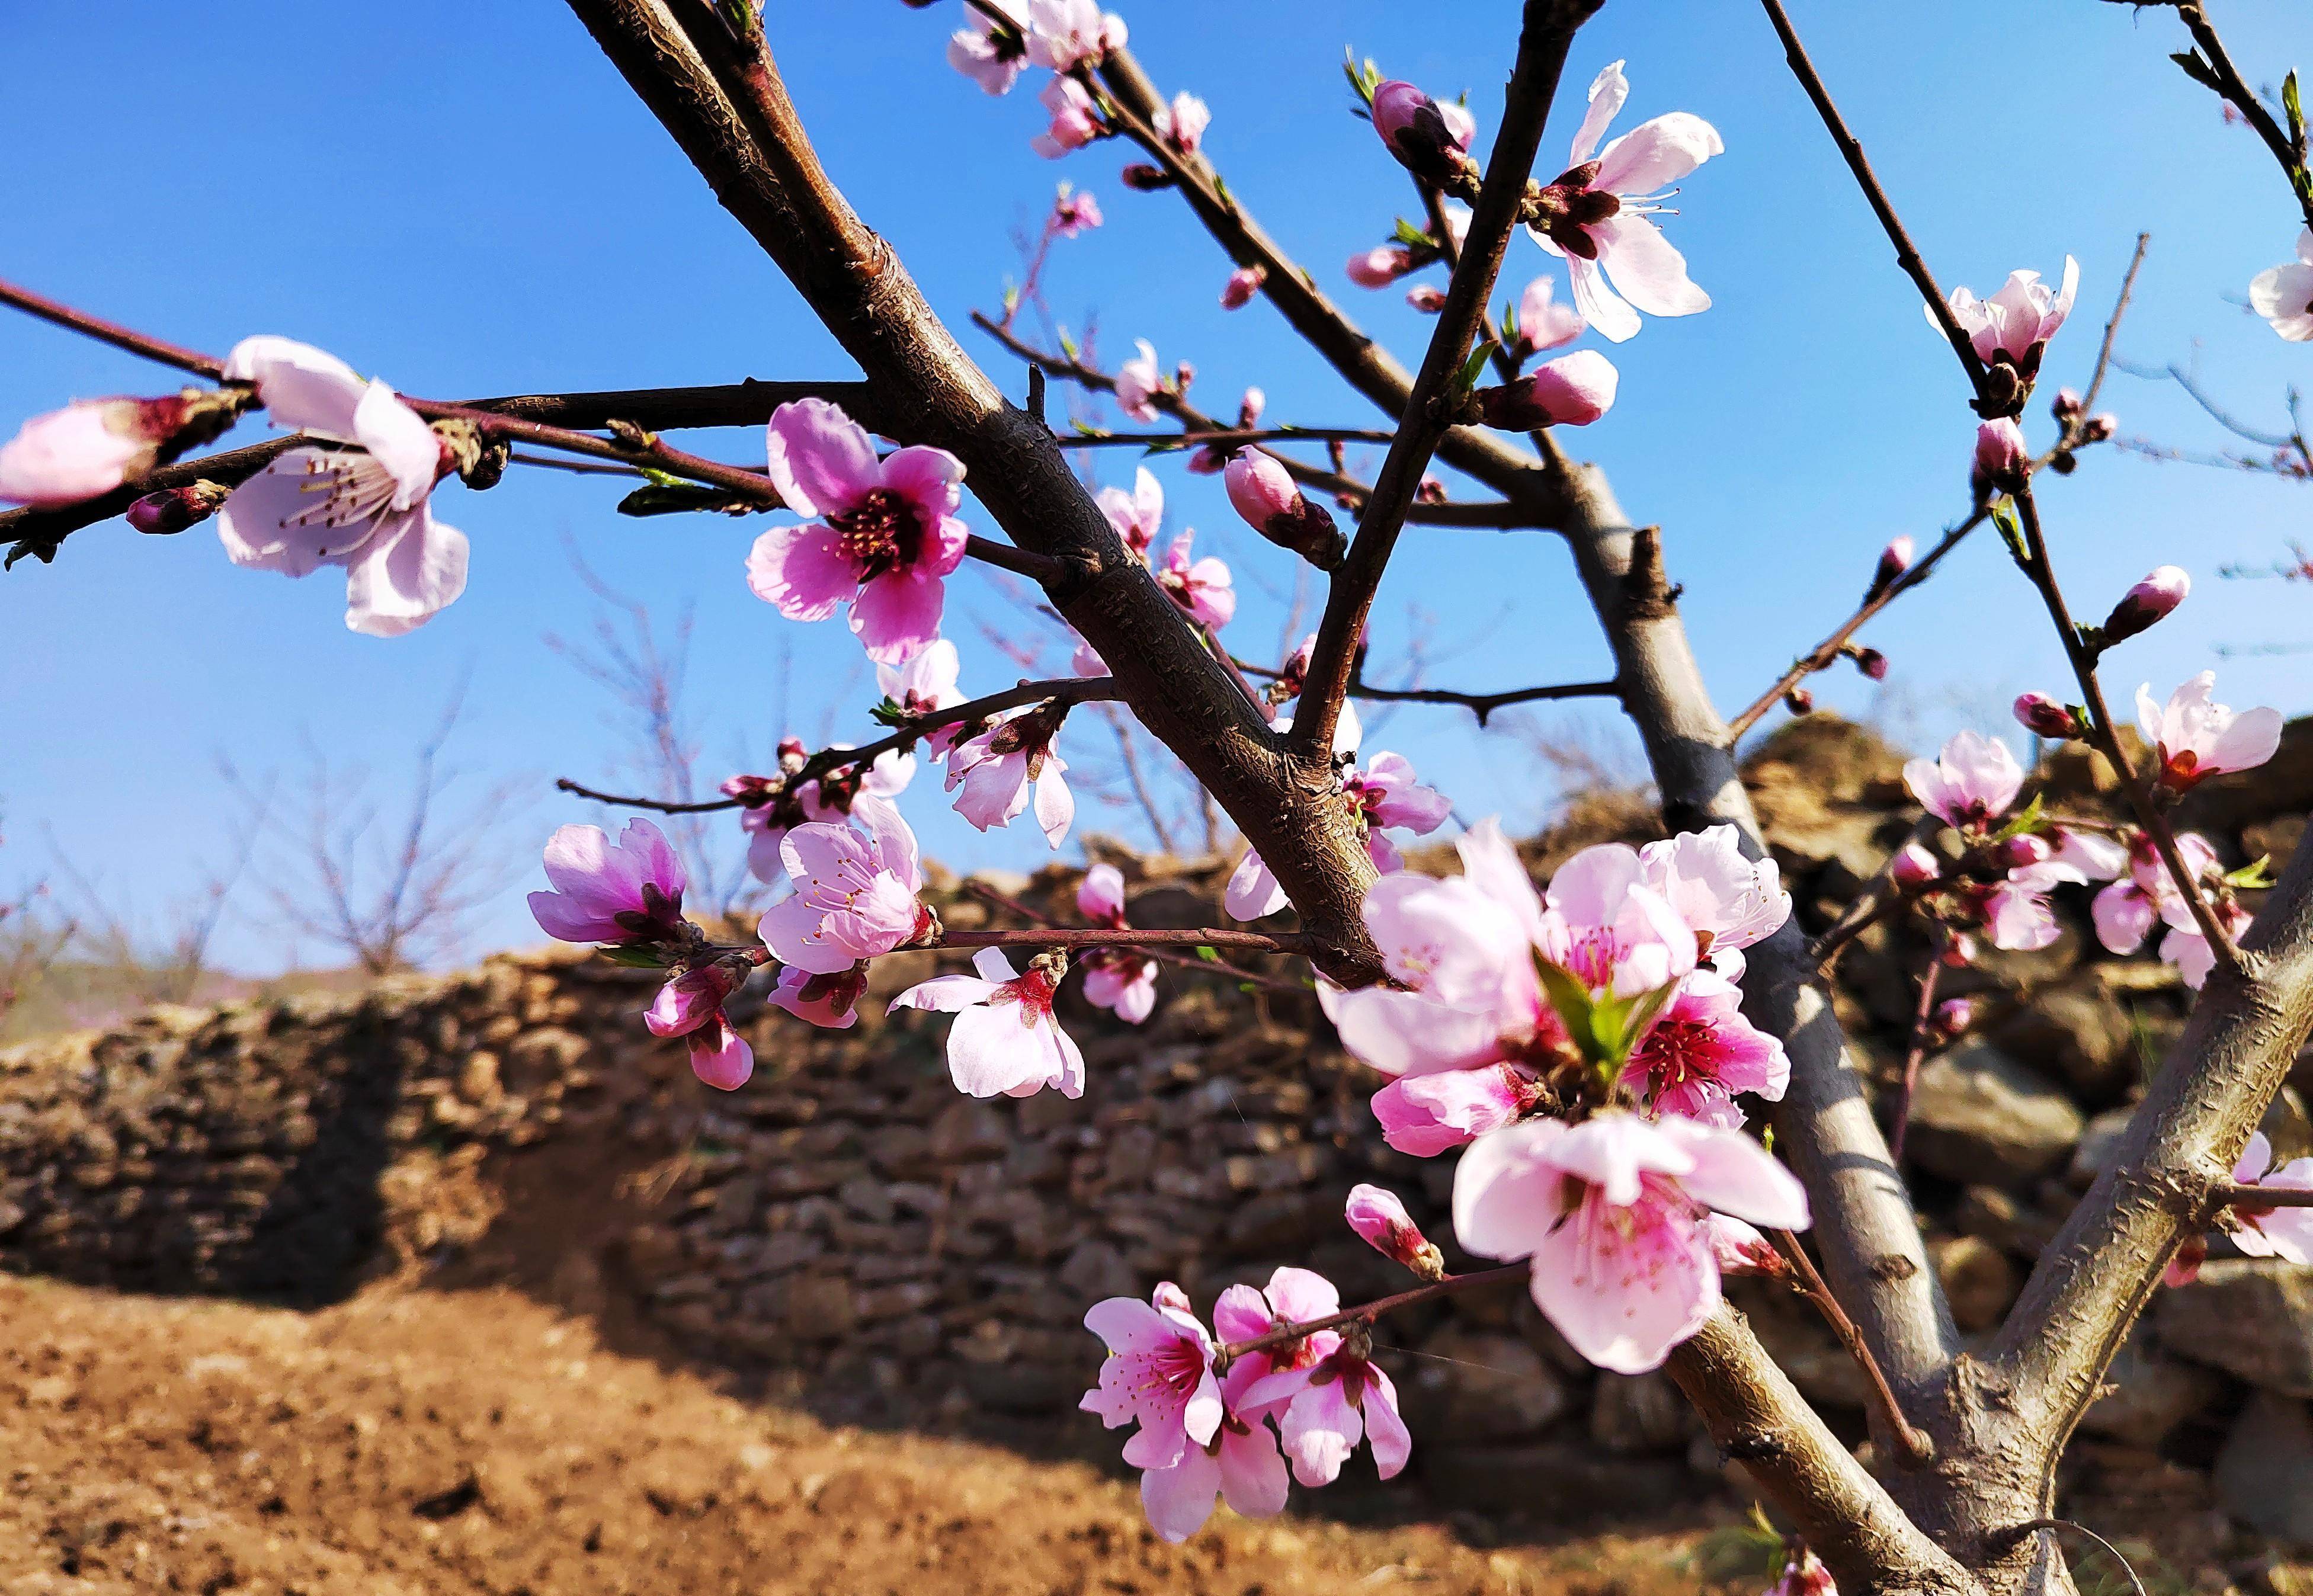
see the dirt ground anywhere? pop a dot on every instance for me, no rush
(415, 1440)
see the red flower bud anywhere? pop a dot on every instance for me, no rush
(2043, 716)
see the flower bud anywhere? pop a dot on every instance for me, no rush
(1145, 177)
(1571, 390)
(1872, 663)
(2025, 851)
(2068, 407)
(1800, 701)
(1381, 266)
(1382, 1219)
(1243, 283)
(1740, 1250)
(1426, 297)
(2002, 461)
(2146, 603)
(173, 509)
(1954, 1015)
(1958, 952)
(2043, 716)
(1420, 134)
(1262, 491)
(1914, 867)
(792, 754)
(2101, 426)
(1893, 561)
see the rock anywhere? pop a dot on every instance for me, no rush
(819, 1308)
(2148, 1395)
(1552, 1479)
(969, 1131)
(2016, 1228)
(1639, 1413)
(2099, 1144)
(1096, 1269)
(478, 1079)
(1978, 1281)
(2265, 1474)
(2249, 1316)
(1494, 1388)
(1980, 1115)
(2079, 1031)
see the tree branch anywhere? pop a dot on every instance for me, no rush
(1367, 1312)
(1547, 32)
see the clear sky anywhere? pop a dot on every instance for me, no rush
(466, 199)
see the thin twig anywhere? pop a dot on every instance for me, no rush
(2235, 88)
(1481, 704)
(1064, 691)
(1899, 1115)
(1367, 1312)
(1213, 966)
(1851, 148)
(1108, 936)
(2112, 328)
(1917, 1448)
(2126, 1567)
(2253, 1197)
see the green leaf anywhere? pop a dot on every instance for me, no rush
(1068, 344)
(2029, 818)
(635, 955)
(2253, 877)
(1413, 237)
(1509, 325)
(1207, 954)
(2011, 532)
(2289, 103)
(681, 499)
(2198, 70)
(1570, 999)
(1475, 367)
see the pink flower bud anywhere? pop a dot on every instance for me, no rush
(2022, 853)
(1740, 1250)
(1954, 1015)
(1426, 297)
(1382, 1219)
(173, 509)
(1262, 491)
(2146, 603)
(2043, 716)
(2002, 461)
(1893, 561)
(1872, 663)
(1413, 128)
(1381, 266)
(1800, 701)
(88, 448)
(1959, 952)
(2068, 405)
(1243, 283)
(2101, 426)
(1571, 390)
(1914, 867)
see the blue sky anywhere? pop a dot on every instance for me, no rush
(467, 201)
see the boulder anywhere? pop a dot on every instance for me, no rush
(1979, 1115)
(1978, 1280)
(2265, 1474)
(2146, 1396)
(1639, 1413)
(2078, 1031)
(2249, 1316)
(1553, 1479)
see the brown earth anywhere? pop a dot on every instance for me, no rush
(416, 1440)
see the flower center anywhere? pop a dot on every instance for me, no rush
(352, 492)
(880, 533)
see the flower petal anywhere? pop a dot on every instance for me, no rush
(821, 461)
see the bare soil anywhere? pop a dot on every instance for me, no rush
(417, 1440)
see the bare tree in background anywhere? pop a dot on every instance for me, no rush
(387, 888)
(139, 955)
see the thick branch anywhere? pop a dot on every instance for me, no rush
(727, 108)
(2166, 1176)
(1547, 32)
(1758, 1419)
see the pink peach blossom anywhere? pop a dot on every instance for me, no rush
(1064, 33)
(1264, 493)
(1611, 1213)
(829, 1001)
(1005, 1040)
(1423, 1115)
(1973, 782)
(856, 895)
(2281, 1232)
(1804, 1575)
(2185, 946)
(1542, 323)
(368, 511)
(1420, 132)
(1076, 120)
(690, 1007)
(1182, 123)
(2194, 738)
(2283, 295)
(1138, 382)
(771, 810)
(1137, 516)
(999, 768)
(1701, 1052)
(886, 538)
(626, 893)
(921, 687)
(1330, 1405)
(1731, 901)
(989, 53)
(1100, 896)
(2016, 321)
(1075, 212)
(1599, 210)
(1202, 588)
(1158, 1373)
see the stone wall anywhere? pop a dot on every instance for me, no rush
(877, 1244)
